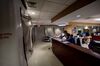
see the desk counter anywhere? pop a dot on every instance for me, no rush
(73, 55)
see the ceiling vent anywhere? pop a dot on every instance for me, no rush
(88, 17)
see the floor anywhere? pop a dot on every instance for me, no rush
(43, 55)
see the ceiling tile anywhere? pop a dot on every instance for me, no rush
(39, 4)
(47, 15)
(52, 7)
(46, 9)
(69, 2)
(59, 1)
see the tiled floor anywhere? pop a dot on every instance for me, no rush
(42, 56)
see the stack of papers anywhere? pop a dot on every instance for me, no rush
(66, 42)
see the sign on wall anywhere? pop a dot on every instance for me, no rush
(5, 35)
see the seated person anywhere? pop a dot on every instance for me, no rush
(95, 46)
(71, 39)
(87, 34)
(67, 35)
(78, 42)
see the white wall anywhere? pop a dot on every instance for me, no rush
(11, 49)
(40, 32)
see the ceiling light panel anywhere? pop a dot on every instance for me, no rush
(97, 19)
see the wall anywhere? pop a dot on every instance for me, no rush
(28, 44)
(39, 31)
(11, 34)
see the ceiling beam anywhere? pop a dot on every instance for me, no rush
(73, 7)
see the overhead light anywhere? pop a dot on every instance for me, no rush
(33, 13)
(78, 16)
(30, 12)
(97, 19)
(86, 27)
(62, 25)
(29, 23)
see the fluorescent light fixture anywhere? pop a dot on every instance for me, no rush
(62, 25)
(29, 23)
(33, 13)
(97, 19)
(30, 12)
(78, 16)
